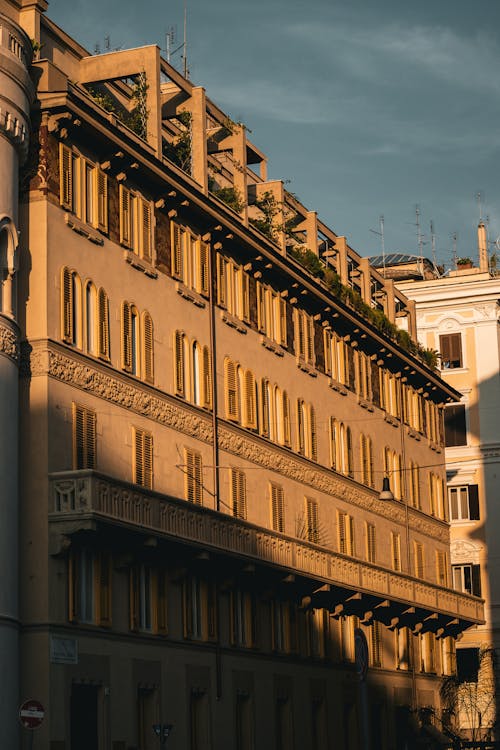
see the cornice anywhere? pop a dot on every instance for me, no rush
(66, 366)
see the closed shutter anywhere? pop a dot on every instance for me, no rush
(68, 322)
(125, 217)
(418, 551)
(264, 390)
(65, 177)
(102, 200)
(127, 337)
(194, 477)
(177, 258)
(282, 321)
(231, 390)
(204, 268)
(318, 347)
(245, 296)
(277, 507)
(143, 458)
(313, 433)
(396, 551)
(312, 521)
(261, 308)
(341, 523)
(476, 580)
(221, 281)
(473, 502)
(300, 427)
(148, 460)
(351, 368)
(375, 383)
(207, 378)
(249, 400)
(370, 543)
(299, 335)
(363, 452)
(333, 443)
(327, 350)
(238, 493)
(287, 432)
(145, 229)
(103, 324)
(84, 437)
(310, 338)
(348, 447)
(441, 568)
(179, 370)
(148, 348)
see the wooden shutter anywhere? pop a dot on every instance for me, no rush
(300, 427)
(65, 177)
(327, 350)
(221, 281)
(148, 460)
(138, 466)
(125, 216)
(249, 401)
(238, 493)
(103, 323)
(300, 349)
(67, 307)
(264, 399)
(418, 551)
(104, 580)
(312, 521)
(396, 551)
(350, 535)
(277, 507)
(84, 437)
(145, 228)
(333, 443)
(287, 436)
(476, 580)
(177, 257)
(341, 523)
(194, 477)
(313, 433)
(207, 378)
(179, 368)
(310, 338)
(127, 337)
(375, 378)
(370, 543)
(441, 568)
(455, 425)
(348, 448)
(282, 321)
(473, 502)
(102, 200)
(204, 250)
(261, 308)
(231, 381)
(245, 296)
(148, 347)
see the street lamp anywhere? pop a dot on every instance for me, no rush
(162, 731)
(386, 493)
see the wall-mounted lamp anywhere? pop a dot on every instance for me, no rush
(386, 493)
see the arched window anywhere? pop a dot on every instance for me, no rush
(366, 460)
(137, 343)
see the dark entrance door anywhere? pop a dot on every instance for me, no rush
(84, 731)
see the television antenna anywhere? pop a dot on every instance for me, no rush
(381, 234)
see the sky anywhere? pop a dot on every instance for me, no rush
(365, 108)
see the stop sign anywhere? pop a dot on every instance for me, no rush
(31, 714)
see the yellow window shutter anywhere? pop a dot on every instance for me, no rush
(287, 432)
(282, 321)
(194, 477)
(261, 310)
(333, 443)
(245, 295)
(180, 388)
(277, 507)
(265, 407)
(250, 417)
(231, 390)
(176, 241)
(207, 378)
(221, 281)
(310, 339)
(127, 337)
(65, 177)
(204, 267)
(396, 551)
(103, 324)
(138, 473)
(238, 493)
(148, 460)
(370, 543)
(102, 200)
(145, 229)
(313, 433)
(67, 306)
(125, 216)
(419, 559)
(90, 438)
(312, 521)
(148, 348)
(341, 522)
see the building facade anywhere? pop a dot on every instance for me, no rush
(209, 387)
(458, 316)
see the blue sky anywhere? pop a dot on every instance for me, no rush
(366, 108)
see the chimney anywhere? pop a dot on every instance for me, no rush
(482, 242)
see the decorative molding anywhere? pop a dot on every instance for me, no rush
(9, 345)
(464, 551)
(166, 411)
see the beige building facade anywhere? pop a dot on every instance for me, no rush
(458, 316)
(209, 387)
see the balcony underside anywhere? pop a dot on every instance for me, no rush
(85, 502)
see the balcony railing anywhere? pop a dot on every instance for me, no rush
(90, 494)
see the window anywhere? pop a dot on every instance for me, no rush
(464, 503)
(89, 579)
(192, 371)
(277, 507)
(84, 437)
(414, 485)
(312, 521)
(316, 626)
(345, 525)
(193, 486)
(365, 445)
(137, 343)
(390, 393)
(199, 609)
(190, 259)
(413, 408)
(467, 578)
(248, 390)
(242, 618)
(348, 625)
(403, 648)
(148, 600)
(304, 337)
(441, 568)
(450, 346)
(396, 551)
(341, 448)
(428, 652)
(436, 495)
(392, 469)
(71, 308)
(233, 288)
(142, 468)
(418, 559)
(271, 314)
(238, 493)
(371, 547)
(455, 429)
(468, 663)
(433, 418)
(135, 223)
(232, 390)
(244, 721)
(83, 188)
(284, 626)
(376, 644)
(306, 430)
(363, 376)
(336, 359)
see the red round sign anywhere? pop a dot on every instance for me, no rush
(31, 714)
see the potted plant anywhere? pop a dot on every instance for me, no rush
(464, 263)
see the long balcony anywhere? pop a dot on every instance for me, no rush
(324, 578)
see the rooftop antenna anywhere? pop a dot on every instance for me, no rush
(107, 43)
(186, 69)
(381, 234)
(169, 41)
(433, 244)
(455, 238)
(420, 240)
(479, 198)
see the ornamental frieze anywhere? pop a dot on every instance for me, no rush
(8, 343)
(134, 398)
